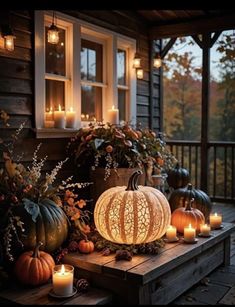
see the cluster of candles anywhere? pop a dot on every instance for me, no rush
(60, 119)
(190, 232)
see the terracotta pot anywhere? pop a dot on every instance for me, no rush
(120, 178)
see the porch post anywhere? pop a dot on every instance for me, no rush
(206, 40)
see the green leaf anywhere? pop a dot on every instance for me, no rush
(32, 208)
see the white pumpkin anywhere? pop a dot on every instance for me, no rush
(133, 214)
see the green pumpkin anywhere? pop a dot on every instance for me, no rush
(202, 202)
(50, 228)
(178, 177)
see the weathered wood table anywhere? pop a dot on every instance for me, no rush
(156, 279)
(21, 295)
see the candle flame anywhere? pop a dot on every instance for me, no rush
(71, 109)
(190, 226)
(62, 271)
(215, 214)
(113, 107)
(59, 107)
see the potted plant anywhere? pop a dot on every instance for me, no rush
(111, 153)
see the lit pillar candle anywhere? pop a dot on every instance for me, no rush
(113, 116)
(171, 233)
(62, 280)
(205, 230)
(59, 118)
(70, 118)
(189, 234)
(215, 220)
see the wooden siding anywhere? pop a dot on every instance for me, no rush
(17, 93)
(17, 78)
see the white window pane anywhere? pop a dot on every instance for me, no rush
(122, 104)
(121, 67)
(55, 55)
(55, 95)
(91, 103)
(91, 61)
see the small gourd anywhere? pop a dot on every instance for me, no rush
(86, 246)
(34, 268)
(182, 217)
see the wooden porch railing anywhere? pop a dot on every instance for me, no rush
(221, 176)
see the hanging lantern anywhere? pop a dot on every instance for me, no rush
(140, 73)
(132, 214)
(8, 38)
(2, 42)
(53, 32)
(157, 61)
(137, 61)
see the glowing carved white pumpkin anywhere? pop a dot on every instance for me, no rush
(132, 214)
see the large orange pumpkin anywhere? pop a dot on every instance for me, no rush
(182, 217)
(34, 267)
(133, 214)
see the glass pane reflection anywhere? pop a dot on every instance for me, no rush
(122, 104)
(121, 67)
(91, 61)
(91, 103)
(55, 95)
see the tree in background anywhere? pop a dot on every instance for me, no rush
(222, 119)
(182, 95)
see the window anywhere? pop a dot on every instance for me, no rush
(91, 80)
(122, 84)
(89, 71)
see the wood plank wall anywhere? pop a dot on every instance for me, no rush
(17, 94)
(17, 79)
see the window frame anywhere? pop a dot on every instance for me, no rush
(78, 29)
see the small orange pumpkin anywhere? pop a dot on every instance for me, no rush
(34, 267)
(86, 246)
(182, 217)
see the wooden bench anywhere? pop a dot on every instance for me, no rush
(156, 279)
(21, 295)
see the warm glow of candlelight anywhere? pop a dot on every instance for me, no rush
(59, 107)
(62, 279)
(62, 271)
(215, 220)
(189, 234)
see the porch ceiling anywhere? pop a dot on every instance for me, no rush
(173, 23)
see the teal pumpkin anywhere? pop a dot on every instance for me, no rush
(180, 197)
(178, 177)
(50, 228)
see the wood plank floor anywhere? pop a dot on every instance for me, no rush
(218, 288)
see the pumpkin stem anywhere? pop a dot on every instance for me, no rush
(132, 183)
(36, 250)
(189, 204)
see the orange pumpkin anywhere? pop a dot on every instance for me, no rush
(86, 246)
(34, 267)
(182, 217)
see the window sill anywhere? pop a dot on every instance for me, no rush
(43, 133)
